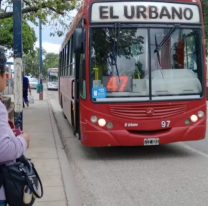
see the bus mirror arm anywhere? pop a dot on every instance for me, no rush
(78, 40)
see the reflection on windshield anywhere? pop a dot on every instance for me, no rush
(180, 70)
(176, 68)
(131, 59)
(53, 77)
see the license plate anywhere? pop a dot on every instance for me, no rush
(151, 141)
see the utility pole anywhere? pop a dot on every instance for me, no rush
(41, 61)
(18, 88)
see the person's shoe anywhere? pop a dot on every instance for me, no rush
(27, 104)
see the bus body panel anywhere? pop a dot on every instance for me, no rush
(93, 135)
(120, 135)
(66, 96)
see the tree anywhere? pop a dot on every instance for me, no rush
(205, 17)
(6, 35)
(54, 13)
(51, 60)
(31, 62)
(111, 44)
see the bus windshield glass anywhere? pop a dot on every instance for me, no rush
(53, 76)
(126, 65)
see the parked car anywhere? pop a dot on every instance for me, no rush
(33, 82)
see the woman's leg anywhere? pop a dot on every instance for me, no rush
(25, 97)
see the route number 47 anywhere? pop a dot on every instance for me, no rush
(114, 85)
(165, 124)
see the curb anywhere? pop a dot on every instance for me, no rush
(72, 195)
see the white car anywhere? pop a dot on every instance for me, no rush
(33, 82)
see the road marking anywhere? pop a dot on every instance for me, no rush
(196, 151)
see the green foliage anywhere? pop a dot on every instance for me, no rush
(124, 41)
(6, 35)
(51, 61)
(53, 13)
(31, 61)
(205, 16)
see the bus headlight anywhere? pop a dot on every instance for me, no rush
(101, 122)
(109, 125)
(200, 114)
(93, 119)
(194, 118)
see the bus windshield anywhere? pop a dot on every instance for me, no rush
(126, 64)
(52, 76)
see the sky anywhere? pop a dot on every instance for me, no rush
(49, 43)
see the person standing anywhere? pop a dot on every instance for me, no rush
(26, 86)
(11, 147)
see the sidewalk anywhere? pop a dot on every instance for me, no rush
(44, 150)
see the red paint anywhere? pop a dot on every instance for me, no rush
(41, 96)
(121, 113)
(149, 112)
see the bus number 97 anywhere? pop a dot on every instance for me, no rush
(165, 123)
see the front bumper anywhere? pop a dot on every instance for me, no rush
(125, 138)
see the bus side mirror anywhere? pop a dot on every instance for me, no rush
(79, 40)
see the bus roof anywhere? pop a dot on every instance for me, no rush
(83, 11)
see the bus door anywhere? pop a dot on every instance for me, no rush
(78, 42)
(76, 96)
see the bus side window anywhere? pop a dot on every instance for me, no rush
(72, 65)
(82, 73)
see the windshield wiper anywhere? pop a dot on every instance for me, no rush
(158, 47)
(158, 54)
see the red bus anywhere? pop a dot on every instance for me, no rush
(134, 73)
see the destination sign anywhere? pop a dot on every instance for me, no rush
(145, 12)
(54, 70)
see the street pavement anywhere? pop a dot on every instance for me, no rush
(168, 175)
(47, 153)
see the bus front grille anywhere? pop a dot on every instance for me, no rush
(147, 112)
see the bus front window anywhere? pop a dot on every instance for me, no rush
(120, 69)
(118, 59)
(53, 77)
(176, 69)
